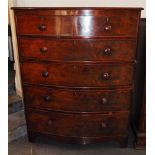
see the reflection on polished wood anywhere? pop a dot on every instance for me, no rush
(79, 23)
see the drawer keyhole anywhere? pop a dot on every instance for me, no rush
(74, 42)
(107, 19)
(49, 123)
(103, 125)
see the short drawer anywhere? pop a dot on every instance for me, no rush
(73, 100)
(75, 125)
(77, 74)
(88, 49)
(112, 25)
(45, 25)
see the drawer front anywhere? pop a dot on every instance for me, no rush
(76, 100)
(77, 74)
(97, 26)
(78, 125)
(106, 26)
(89, 49)
(44, 25)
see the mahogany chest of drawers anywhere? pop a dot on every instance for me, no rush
(77, 69)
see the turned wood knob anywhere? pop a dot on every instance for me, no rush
(43, 49)
(47, 98)
(42, 27)
(104, 100)
(106, 75)
(108, 28)
(103, 125)
(45, 74)
(107, 51)
(49, 122)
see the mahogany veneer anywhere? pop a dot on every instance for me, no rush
(85, 49)
(77, 100)
(77, 68)
(76, 74)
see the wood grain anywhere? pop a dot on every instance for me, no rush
(77, 50)
(77, 69)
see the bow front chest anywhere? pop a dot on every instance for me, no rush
(77, 68)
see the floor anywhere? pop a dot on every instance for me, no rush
(49, 147)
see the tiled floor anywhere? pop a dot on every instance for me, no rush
(46, 147)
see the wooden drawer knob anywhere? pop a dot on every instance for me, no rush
(43, 49)
(107, 51)
(108, 28)
(104, 100)
(42, 27)
(45, 74)
(103, 125)
(106, 75)
(49, 122)
(47, 98)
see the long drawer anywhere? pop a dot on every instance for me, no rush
(87, 25)
(77, 74)
(88, 49)
(75, 125)
(72, 100)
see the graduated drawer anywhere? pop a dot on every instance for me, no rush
(88, 49)
(73, 100)
(77, 74)
(75, 125)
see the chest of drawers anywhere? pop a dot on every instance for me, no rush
(77, 69)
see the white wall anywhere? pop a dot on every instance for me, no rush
(82, 3)
(15, 49)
